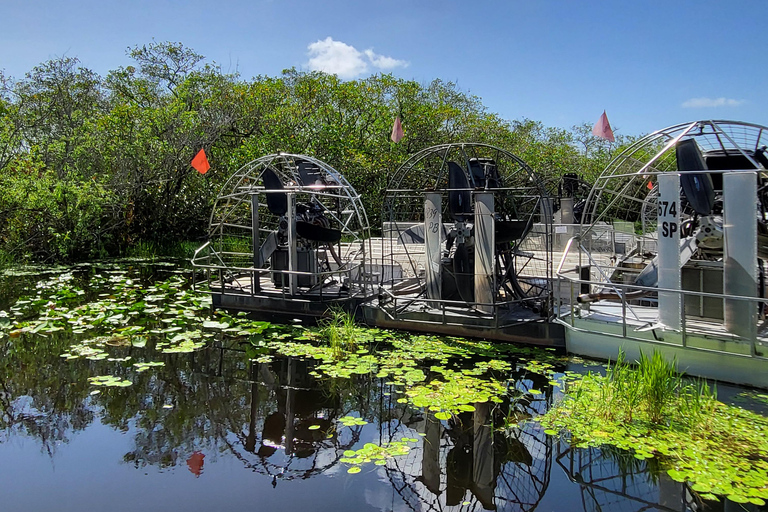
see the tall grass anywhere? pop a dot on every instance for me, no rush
(149, 249)
(340, 331)
(8, 260)
(653, 391)
(660, 382)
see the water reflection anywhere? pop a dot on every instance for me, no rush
(266, 416)
(470, 463)
(290, 431)
(608, 478)
(230, 423)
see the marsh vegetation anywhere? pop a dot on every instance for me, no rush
(128, 348)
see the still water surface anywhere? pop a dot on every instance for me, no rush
(221, 429)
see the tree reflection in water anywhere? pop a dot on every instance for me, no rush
(282, 423)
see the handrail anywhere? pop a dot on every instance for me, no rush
(607, 282)
(685, 328)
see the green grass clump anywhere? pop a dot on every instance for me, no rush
(340, 331)
(653, 411)
(653, 391)
(149, 249)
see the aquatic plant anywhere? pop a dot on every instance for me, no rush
(339, 330)
(378, 454)
(109, 381)
(649, 388)
(655, 412)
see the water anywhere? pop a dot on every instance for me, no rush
(215, 429)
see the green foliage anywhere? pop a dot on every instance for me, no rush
(148, 249)
(121, 145)
(340, 330)
(654, 412)
(648, 389)
(50, 219)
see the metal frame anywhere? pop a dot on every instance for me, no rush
(230, 256)
(520, 195)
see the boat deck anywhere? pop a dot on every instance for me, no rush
(702, 347)
(643, 318)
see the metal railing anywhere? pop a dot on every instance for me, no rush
(228, 277)
(569, 311)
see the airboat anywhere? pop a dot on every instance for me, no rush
(288, 237)
(683, 270)
(467, 239)
(664, 252)
(464, 247)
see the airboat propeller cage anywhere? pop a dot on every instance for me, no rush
(674, 186)
(473, 222)
(290, 223)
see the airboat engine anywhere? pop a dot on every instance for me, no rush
(471, 225)
(288, 225)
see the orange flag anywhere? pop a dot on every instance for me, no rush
(397, 130)
(200, 162)
(195, 463)
(602, 128)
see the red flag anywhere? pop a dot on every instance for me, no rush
(397, 130)
(200, 162)
(195, 463)
(602, 128)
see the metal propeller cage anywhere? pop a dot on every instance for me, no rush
(626, 192)
(322, 216)
(523, 264)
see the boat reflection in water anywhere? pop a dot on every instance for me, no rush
(470, 462)
(216, 429)
(611, 478)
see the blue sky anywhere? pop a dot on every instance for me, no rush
(649, 64)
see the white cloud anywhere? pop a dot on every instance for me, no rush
(382, 62)
(336, 57)
(712, 102)
(346, 61)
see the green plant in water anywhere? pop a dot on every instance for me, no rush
(659, 384)
(653, 412)
(109, 381)
(340, 331)
(377, 454)
(650, 388)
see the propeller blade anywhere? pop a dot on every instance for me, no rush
(511, 230)
(464, 273)
(697, 186)
(476, 172)
(458, 200)
(761, 157)
(277, 203)
(267, 248)
(317, 233)
(309, 174)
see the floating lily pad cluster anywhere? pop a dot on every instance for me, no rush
(378, 454)
(351, 421)
(724, 453)
(455, 392)
(142, 367)
(109, 381)
(110, 311)
(446, 389)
